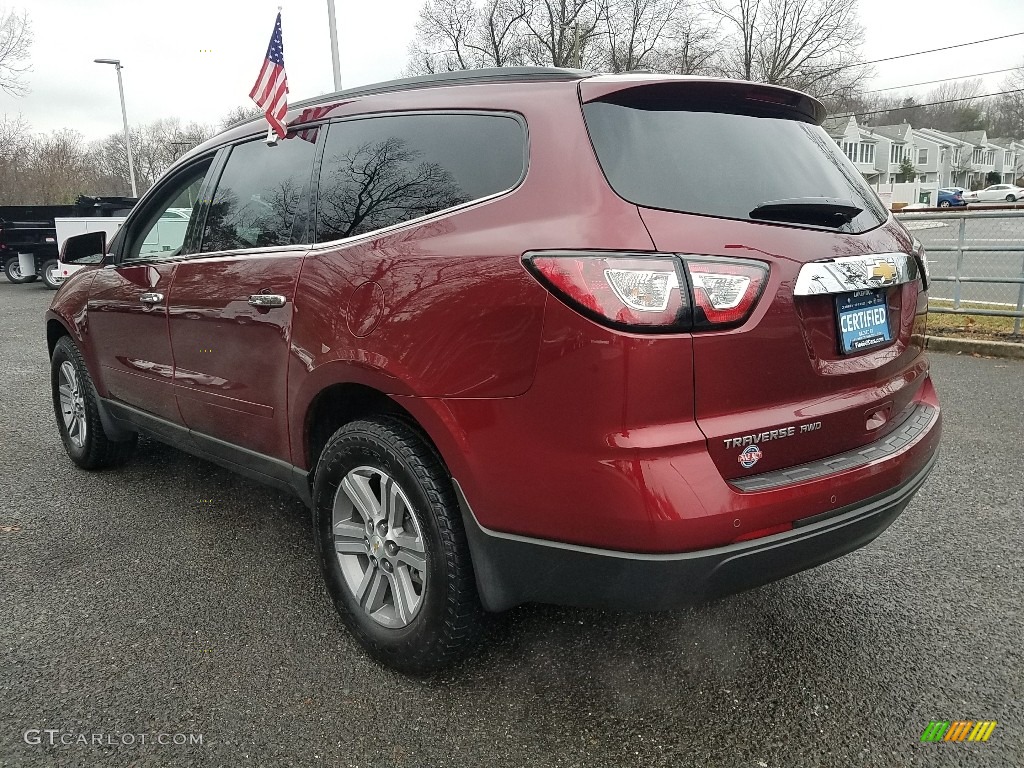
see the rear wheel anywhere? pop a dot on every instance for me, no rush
(944, 204)
(12, 268)
(1011, 199)
(51, 275)
(392, 547)
(76, 406)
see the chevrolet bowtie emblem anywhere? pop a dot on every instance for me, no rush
(883, 272)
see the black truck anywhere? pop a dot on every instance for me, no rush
(30, 229)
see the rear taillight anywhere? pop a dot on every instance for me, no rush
(725, 291)
(632, 291)
(650, 292)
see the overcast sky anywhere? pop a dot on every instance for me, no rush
(197, 59)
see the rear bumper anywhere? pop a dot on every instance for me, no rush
(515, 569)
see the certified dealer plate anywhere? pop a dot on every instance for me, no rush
(863, 320)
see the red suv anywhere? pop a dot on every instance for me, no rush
(520, 335)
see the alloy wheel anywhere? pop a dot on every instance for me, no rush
(379, 546)
(72, 404)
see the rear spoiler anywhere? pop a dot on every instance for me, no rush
(706, 94)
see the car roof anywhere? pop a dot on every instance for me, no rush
(494, 75)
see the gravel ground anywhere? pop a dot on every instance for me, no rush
(172, 597)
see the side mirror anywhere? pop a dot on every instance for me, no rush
(89, 248)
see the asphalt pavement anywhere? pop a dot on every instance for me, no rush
(173, 601)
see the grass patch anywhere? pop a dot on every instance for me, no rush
(971, 326)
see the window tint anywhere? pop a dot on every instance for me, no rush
(161, 230)
(721, 163)
(261, 198)
(381, 171)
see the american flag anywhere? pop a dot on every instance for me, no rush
(271, 90)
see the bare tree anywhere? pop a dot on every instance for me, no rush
(1007, 113)
(742, 19)
(15, 42)
(813, 45)
(690, 47)
(15, 159)
(154, 148)
(605, 35)
(458, 34)
(636, 32)
(497, 39)
(563, 33)
(958, 107)
(442, 39)
(60, 168)
(240, 114)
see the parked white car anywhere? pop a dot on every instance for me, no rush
(995, 193)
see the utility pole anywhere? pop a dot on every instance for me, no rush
(335, 60)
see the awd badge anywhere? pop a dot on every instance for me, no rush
(749, 456)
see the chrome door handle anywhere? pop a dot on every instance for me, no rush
(267, 300)
(151, 298)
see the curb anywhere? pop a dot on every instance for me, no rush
(1004, 349)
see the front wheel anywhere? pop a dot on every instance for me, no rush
(12, 268)
(944, 204)
(76, 406)
(392, 547)
(51, 275)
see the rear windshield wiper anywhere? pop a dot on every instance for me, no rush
(826, 211)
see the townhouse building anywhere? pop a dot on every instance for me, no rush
(1009, 159)
(857, 144)
(940, 159)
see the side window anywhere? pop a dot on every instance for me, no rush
(381, 171)
(262, 196)
(164, 224)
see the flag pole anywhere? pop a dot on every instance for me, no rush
(335, 59)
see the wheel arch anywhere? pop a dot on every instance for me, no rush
(340, 403)
(54, 330)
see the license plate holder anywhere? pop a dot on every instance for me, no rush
(862, 319)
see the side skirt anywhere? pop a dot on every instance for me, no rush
(256, 466)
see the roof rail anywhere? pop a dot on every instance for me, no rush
(458, 77)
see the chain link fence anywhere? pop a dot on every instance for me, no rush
(976, 260)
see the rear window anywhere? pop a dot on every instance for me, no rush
(721, 163)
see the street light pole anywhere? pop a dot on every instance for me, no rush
(124, 117)
(335, 61)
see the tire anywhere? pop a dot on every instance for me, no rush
(12, 268)
(419, 555)
(50, 277)
(944, 204)
(76, 406)
(1011, 199)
